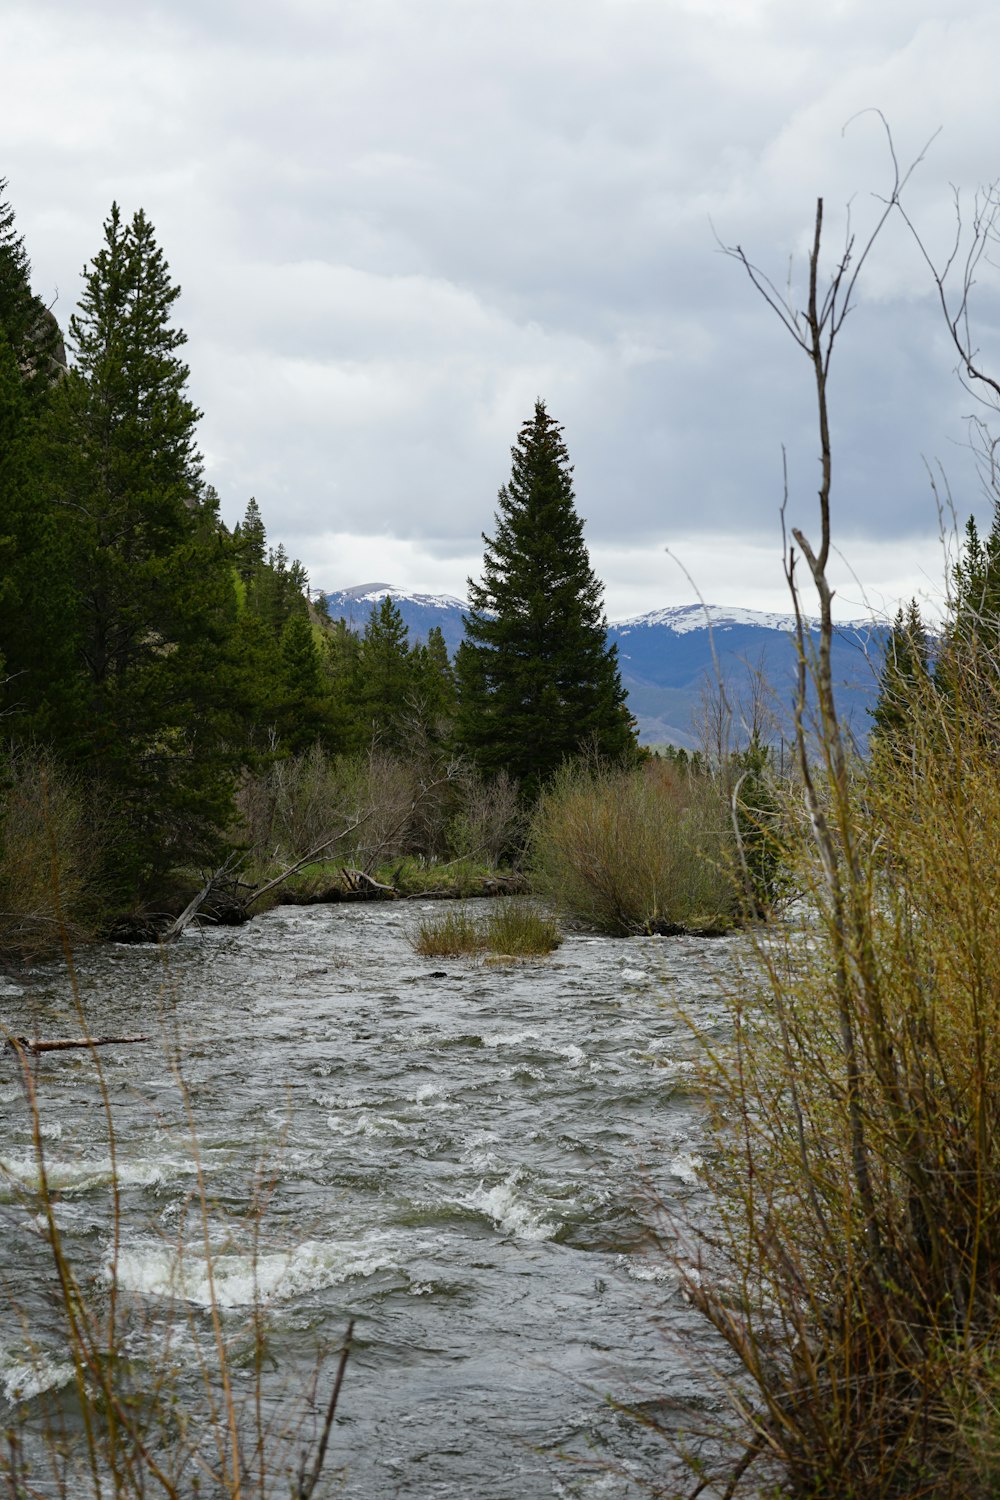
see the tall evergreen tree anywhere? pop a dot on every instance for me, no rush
(435, 694)
(976, 599)
(250, 541)
(151, 568)
(537, 679)
(305, 715)
(384, 679)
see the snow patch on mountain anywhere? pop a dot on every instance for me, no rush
(374, 593)
(683, 618)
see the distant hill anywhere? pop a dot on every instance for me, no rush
(420, 611)
(667, 658)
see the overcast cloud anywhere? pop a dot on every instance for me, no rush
(398, 222)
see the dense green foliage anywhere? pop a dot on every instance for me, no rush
(537, 680)
(155, 656)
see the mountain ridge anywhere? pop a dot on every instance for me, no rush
(669, 656)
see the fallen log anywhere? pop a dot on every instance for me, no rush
(361, 884)
(193, 907)
(34, 1045)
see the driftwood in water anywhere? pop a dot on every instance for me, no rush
(193, 907)
(34, 1045)
(361, 884)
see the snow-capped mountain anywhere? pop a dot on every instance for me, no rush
(420, 611)
(669, 655)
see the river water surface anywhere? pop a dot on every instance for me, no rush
(465, 1158)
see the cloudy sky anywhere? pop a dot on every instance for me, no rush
(398, 222)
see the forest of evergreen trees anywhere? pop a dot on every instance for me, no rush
(151, 659)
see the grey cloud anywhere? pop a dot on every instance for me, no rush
(398, 224)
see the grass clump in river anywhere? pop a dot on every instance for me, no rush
(512, 929)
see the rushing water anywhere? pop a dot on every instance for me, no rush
(465, 1158)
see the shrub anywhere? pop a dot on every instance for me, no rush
(629, 851)
(857, 1140)
(853, 1264)
(55, 837)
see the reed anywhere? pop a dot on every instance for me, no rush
(99, 1405)
(452, 934)
(517, 929)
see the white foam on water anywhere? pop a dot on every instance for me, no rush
(508, 1038)
(427, 1091)
(573, 1054)
(647, 1270)
(369, 1126)
(20, 1172)
(634, 976)
(687, 1166)
(27, 1373)
(157, 1270)
(509, 1211)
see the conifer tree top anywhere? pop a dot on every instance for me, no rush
(537, 678)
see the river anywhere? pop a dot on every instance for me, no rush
(466, 1158)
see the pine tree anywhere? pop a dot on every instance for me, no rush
(537, 679)
(976, 600)
(152, 571)
(384, 685)
(250, 541)
(25, 321)
(904, 678)
(305, 715)
(435, 693)
(32, 571)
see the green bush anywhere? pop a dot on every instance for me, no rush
(631, 851)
